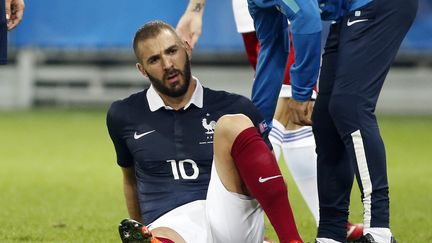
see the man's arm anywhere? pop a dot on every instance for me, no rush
(130, 193)
(306, 38)
(14, 12)
(190, 24)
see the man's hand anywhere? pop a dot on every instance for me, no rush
(300, 112)
(14, 12)
(189, 26)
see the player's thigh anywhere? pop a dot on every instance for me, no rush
(233, 217)
(187, 221)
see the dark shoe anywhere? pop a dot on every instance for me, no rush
(368, 238)
(132, 231)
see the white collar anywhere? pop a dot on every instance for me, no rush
(155, 101)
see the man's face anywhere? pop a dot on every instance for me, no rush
(165, 62)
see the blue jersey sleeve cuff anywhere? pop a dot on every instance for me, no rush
(304, 71)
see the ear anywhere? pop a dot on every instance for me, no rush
(140, 68)
(188, 49)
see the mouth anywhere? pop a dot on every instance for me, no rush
(172, 77)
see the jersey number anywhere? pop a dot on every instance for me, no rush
(180, 167)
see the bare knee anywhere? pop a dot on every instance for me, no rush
(230, 126)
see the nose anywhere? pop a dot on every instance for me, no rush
(166, 62)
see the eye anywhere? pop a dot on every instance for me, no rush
(172, 51)
(153, 60)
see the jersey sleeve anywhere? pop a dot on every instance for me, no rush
(305, 24)
(114, 125)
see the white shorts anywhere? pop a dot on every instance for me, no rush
(223, 217)
(188, 220)
(233, 217)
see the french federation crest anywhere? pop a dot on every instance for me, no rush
(209, 126)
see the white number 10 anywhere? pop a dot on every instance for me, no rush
(181, 168)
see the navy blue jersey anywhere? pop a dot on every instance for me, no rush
(172, 151)
(3, 34)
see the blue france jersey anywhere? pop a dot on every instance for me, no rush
(172, 151)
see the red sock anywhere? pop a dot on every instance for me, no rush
(259, 170)
(164, 240)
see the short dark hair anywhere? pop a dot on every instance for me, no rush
(150, 30)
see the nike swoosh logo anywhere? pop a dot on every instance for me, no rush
(262, 180)
(349, 23)
(138, 136)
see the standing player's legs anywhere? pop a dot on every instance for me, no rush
(369, 45)
(246, 166)
(335, 174)
(355, 88)
(296, 142)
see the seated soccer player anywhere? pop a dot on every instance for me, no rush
(195, 166)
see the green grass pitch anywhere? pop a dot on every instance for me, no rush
(59, 181)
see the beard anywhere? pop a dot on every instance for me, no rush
(177, 90)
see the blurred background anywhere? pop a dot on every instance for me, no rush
(78, 53)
